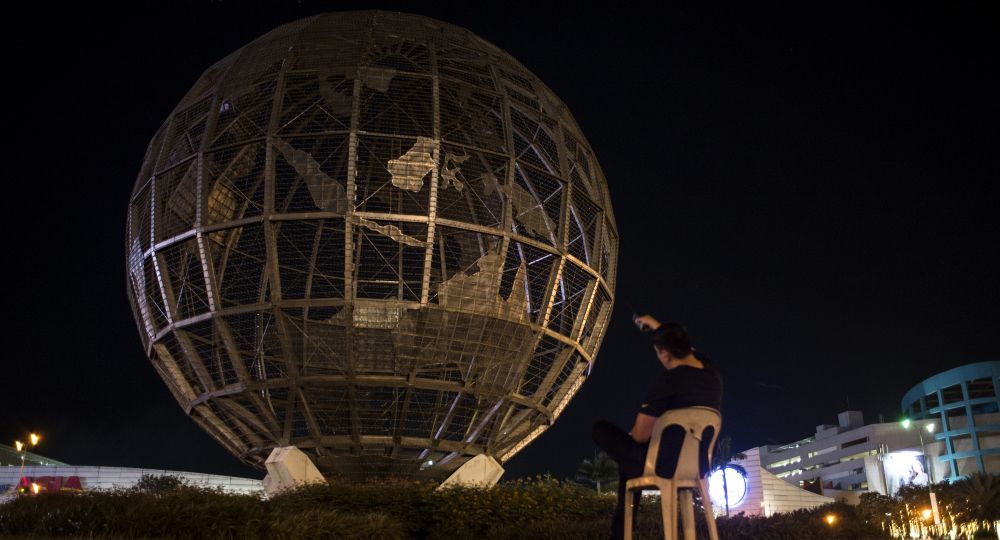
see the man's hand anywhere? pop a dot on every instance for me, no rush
(643, 428)
(646, 322)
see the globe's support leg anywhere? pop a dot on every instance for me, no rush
(288, 468)
(481, 470)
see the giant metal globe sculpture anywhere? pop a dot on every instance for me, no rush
(376, 237)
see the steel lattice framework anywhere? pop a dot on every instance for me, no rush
(376, 237)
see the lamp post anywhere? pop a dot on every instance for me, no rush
(930, 468)
(22, 449)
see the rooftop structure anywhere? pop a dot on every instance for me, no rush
(10, 457)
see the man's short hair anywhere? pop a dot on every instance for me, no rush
(673, 338)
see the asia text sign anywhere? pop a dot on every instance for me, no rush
(50, 484)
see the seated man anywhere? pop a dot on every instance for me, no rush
(687, 381)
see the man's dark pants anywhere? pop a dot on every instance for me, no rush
(630, 456)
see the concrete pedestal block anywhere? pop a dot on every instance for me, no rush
(288, 468)
(480, 471)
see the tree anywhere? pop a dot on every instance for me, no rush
(875, 507)
(600, 470)
(979, 496)
(721, 457)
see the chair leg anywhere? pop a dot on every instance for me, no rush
(668, 506)
(706, 499)
(629, 500)
(686, 502)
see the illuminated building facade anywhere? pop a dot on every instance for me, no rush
(849, 456)
(376, 237)
(965, 402)
(48, 476)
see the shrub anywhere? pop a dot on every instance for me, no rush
(540, 508)
(157, 484)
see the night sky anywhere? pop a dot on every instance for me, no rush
(814, 194)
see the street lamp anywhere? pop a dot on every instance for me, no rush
(33, 439)
(930, 468)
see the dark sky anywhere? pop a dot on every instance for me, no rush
(813, 193)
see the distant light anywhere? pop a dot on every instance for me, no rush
(906, 423)
(430, 462)
(830, 519)
(736, 485)
(930, 427)
(926, 512)
(34, 439)
(35, 488)
(19, 445)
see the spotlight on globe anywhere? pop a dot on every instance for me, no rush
(375, 237)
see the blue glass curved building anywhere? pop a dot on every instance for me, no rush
(966, 402)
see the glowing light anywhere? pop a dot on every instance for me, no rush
(735, 483)
(830, 519)
(35, 488)
(930, 427)
(34, 439)
(19, 445)
(906, 423)
(926, 513)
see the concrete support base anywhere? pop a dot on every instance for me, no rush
(288, 468)
(480, 471)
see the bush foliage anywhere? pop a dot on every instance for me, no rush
(534, 509)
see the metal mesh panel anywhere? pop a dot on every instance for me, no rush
(244, 116)
(585, 218)
(375, 236)
(234, 181)
(186, 133)
(571, 289)
(472, 117)
(183, 272)
(536, 199)
(393, 175)
(465, 65)
(176, 200)
(315, 102)
(472, 186)
(310, 174)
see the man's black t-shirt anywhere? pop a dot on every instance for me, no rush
(683, 386)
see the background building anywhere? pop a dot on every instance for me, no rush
(756, 492)
(954, 421)
(51, 475)
(964, 401)
(845, 457)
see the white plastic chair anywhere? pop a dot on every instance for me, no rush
(687, 475)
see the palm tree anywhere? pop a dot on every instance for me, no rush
(980, 494)
(720, 458)
(600, 470)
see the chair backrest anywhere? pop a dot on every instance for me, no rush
(699, 424)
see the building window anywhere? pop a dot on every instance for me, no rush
(981, 388)
(952, 394)
(855, 442)
(784, 462)
(932, 401)
(821, 452)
